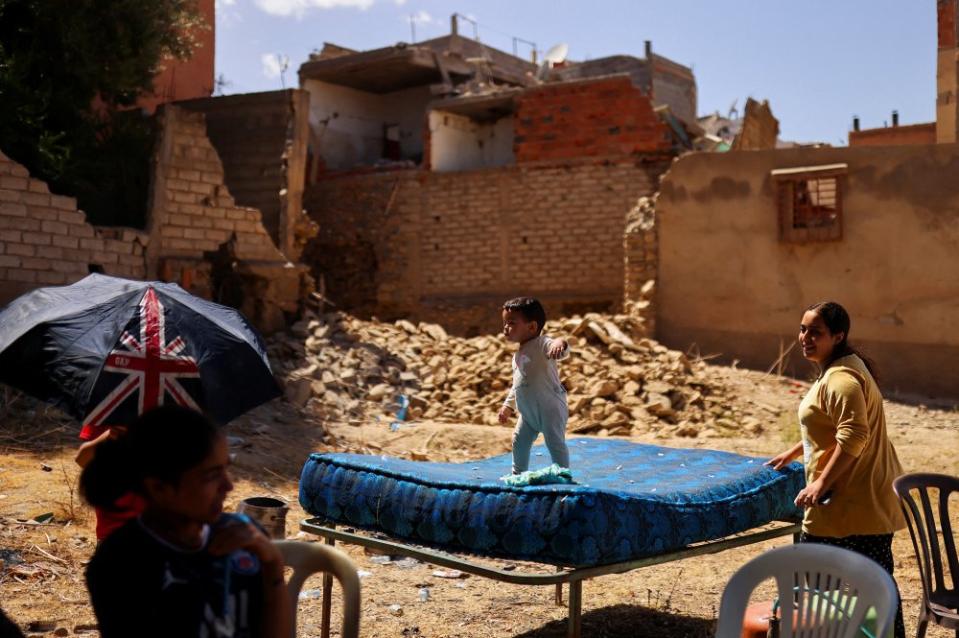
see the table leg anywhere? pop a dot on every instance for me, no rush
(575, 608)
(327, 599)
(559, 589)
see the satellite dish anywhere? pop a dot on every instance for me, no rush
(554, 56)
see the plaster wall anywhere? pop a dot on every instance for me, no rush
(459, 143)
(728, 285)
(348, 125)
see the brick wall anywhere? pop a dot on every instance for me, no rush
(193, 215)
(261, 140)
(641, 259)
(193, 211)
(451, 247)
(45, 240)
(603, 117)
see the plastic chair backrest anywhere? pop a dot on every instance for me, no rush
(933, 541)
(807, 577)
(310, 558)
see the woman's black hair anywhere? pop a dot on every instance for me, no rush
(162, 443)
(530, 309)
(837, 320)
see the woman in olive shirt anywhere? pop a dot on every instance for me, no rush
(850, 462)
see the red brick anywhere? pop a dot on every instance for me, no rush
(63, 203)
(37, 239)
(9, 261)
(65, 242)
(57, 228)
(14, 183)
(23, 250)
(13, 210)
(82, 230)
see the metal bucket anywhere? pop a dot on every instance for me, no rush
(270, 513)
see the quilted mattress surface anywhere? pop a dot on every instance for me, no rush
(630, 501)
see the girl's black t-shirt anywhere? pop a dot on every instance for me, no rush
(141, 585)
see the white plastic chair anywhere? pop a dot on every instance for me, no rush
(310, 558)
(823, 591)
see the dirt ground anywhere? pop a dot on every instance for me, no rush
(41, 582)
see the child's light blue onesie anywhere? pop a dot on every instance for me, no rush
(540, 399)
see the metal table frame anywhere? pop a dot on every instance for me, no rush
(574, 576)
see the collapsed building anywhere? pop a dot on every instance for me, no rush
(747, 240)
(446, 176)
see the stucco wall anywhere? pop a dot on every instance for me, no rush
(727, 284)
(459, 143)
(348, 125)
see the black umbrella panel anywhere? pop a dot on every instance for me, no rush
(107, 349)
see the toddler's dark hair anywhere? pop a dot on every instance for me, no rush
(531, 310)
(163, 443)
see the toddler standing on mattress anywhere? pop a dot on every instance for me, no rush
(537, 392)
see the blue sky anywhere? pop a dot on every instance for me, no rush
(818, 62)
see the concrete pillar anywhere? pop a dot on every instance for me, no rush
(947, 73)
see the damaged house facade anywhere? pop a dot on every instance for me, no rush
(446, 176)
(748, 240)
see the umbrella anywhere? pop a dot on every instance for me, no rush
(107, 349)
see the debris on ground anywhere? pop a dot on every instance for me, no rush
(619, 380)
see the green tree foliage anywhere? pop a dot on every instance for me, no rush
(68, 68)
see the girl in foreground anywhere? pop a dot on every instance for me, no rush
(850, 462)
(183, 567)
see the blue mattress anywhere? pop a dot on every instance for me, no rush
(630, 501)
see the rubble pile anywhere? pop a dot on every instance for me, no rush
(618, 380)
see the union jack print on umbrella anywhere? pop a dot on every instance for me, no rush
(108, 349)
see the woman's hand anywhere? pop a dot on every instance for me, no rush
(811, 495)
(780, 461)
(505, 413)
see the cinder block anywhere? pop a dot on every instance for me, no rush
(37, 239)
(52, 278)
(37, 186)
(62, 241)
(82, 231)
(201, 188)
(62, 202)
(91, 244)
(73, 263)
(184, 197)
(58, 228)
(22, 274)
(103, 257)
(13, 182)
(11, 209)
(35, 263)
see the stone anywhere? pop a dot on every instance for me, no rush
(298, 391)
(603, 388)
(380, 392)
